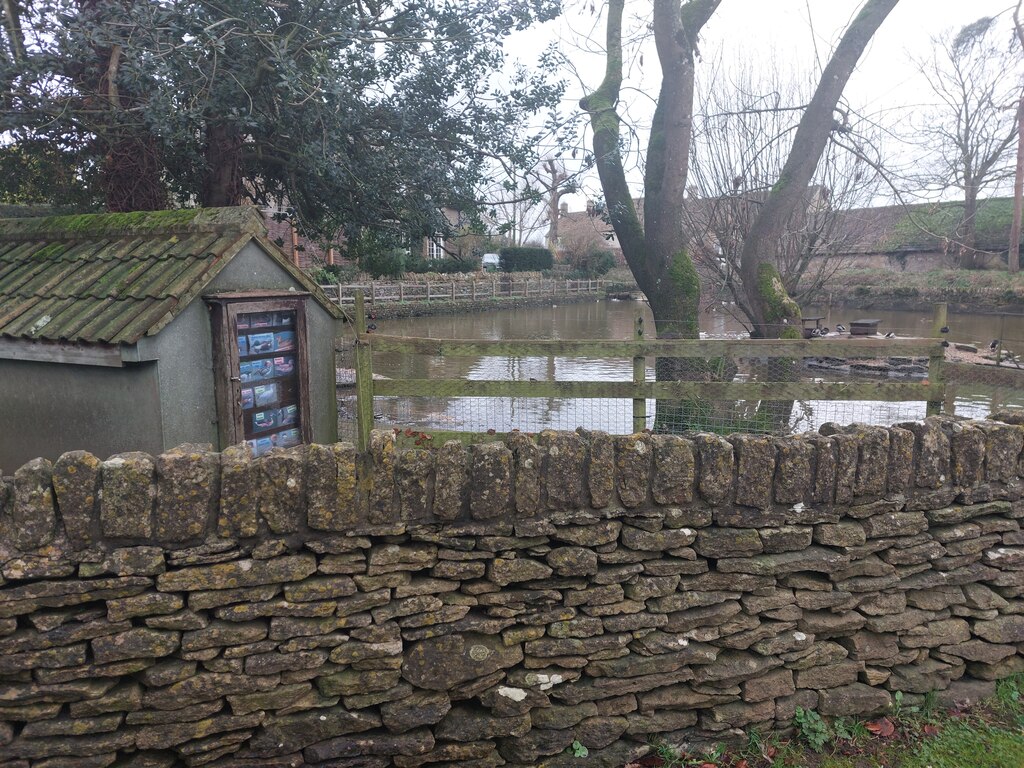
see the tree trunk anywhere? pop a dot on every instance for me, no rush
(132, 172)
(222, 185)
(967, 231)
(775, 313)
(1013, 254)
(655, 250)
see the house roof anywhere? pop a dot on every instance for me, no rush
(114, 278)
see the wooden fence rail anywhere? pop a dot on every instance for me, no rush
(380, 292)
(930, 390)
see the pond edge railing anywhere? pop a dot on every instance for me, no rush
(931, 390)
(384, 292)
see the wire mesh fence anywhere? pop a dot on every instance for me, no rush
(877, 380)
(985, 375)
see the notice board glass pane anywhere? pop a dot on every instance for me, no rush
(269, 376)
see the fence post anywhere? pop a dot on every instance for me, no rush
(373, 293)
(473, 284)
(494, 288)
(364, 378)
(401, 291)
(936, 380)
(935, 360)
(453, 290)
(428, 291)
(999, 339)
(639, 377)
(340, 302)
(939, 320)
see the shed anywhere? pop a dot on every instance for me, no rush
(142, 331)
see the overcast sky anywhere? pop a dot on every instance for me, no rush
(794, 32)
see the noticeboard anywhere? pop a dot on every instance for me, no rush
(260, 354)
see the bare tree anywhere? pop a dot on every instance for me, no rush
(969, 137)
(524, 208)
(655, 247)
(744, 128)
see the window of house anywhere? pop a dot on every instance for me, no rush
(435, 249)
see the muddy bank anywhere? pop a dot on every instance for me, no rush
(963, 291)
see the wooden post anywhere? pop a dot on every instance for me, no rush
(999, 339)
(428, 291)
(340, 302)
(373, 293)
(936, 381)
(936, 359)
(494, 288)
(639, 377)
(453, 290)
(939, 320)
(401, 291)
(364, 378)
(473, 284)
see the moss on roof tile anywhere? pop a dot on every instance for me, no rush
(105, 225)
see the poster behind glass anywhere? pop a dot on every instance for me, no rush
(268, 371)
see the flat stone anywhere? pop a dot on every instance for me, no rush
(465, 723)
(811, 559)
(1005, 629)
(853, 700)
(440, 663)
(283, 735)
(241, 573)
(420, 708)
(135, 644)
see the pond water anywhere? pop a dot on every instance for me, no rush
(601, 319)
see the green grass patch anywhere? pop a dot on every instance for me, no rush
(970, 742)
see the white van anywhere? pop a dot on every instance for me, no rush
(490, 261)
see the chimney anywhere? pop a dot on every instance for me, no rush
(590, 207)
(563, 209)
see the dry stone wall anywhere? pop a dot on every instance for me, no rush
(492, 605)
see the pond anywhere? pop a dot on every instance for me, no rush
(603, 319)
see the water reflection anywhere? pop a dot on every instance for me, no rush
(615, 320)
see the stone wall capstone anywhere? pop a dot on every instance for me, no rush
(490, 605)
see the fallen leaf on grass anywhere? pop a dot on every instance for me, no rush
(742, 764)
(882, 728)
(930, 730)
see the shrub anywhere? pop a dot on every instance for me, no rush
(326, 274)
(525, 259)
(384, 263)
(591, 264)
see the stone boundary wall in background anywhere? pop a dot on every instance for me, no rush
(491, 605)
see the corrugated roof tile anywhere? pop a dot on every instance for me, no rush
(113, 278)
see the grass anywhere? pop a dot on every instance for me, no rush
(989, 736)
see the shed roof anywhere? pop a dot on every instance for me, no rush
(114, 278)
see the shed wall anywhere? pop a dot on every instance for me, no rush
(49, 408)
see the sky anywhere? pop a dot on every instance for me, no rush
(796, 33)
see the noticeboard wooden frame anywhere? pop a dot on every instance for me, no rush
(224, 312)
